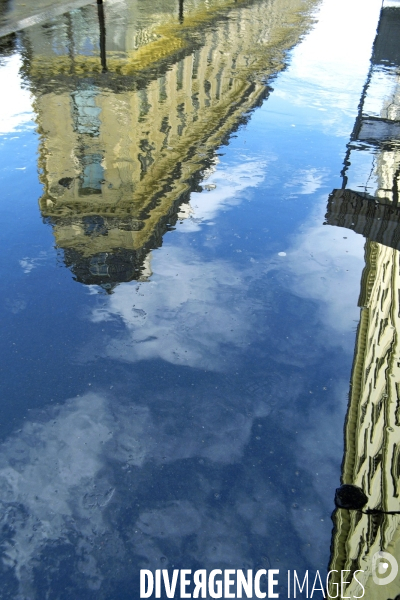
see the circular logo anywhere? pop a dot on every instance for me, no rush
(384, 568)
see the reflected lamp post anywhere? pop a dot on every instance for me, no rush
(102, 25)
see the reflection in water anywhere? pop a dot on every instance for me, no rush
(372, 431)
(159, 475)
(121, 150)
(102, 40)
(78, 512)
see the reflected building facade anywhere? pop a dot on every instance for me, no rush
(372, 429)
(125, 139)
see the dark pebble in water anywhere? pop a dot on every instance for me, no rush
(350, 497)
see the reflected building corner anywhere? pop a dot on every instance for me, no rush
(372, 429)
(131, 108)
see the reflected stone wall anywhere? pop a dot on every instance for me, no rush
(372, 433)
(120, 151)
(372, 429)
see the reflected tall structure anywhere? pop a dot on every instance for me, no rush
(372, 430)
(130, 128)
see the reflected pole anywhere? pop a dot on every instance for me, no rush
(102, 25)
(395, 189)
(356, 128)
(181, 11)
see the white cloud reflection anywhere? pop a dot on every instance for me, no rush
(67, 473)
(191, 308)
(70, 473)
(331, 64)
(336, 54)
(185, 315)
(16, 104)
(324, 264)
(225, 187)
(29, 263)
(306, 181)
(40, 469)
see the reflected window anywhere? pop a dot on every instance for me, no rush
(94, 225)
(86, 112)
(145, 158)
(179, 76)
(162, 89)
(196, 64)
(92, 175)
(196, 104)
(98, 266)
(181, 117)
(144, 104)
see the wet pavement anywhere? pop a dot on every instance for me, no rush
(199, 260)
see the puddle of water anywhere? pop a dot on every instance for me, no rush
(179, 323)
